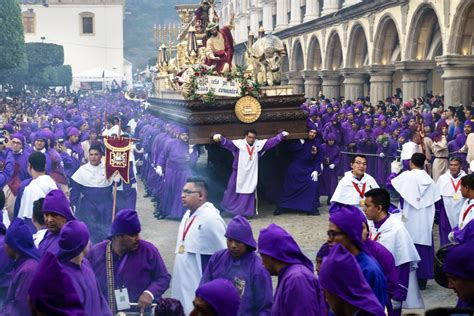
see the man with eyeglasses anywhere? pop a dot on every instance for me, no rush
(345, 228)
(201, 233)
(352, 187)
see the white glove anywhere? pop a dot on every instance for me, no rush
(314, 176)
(451, 237)
(145, 156)
(396, 166)
(117, 178)
(332, 166)
(191, 147)
(285, 133)
(217, 138)
(396, 304)
(382, 155)
(159, 171)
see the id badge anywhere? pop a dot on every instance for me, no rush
(121, 297)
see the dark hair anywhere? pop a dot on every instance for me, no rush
(198, 182)
(457, 159)
(380, 197)
(96, 146)
(250, 131)
(418, 159)
(2, 200)
(38, 215)
(37, 160)
(168, 307)
(468, 181)
(358, 155)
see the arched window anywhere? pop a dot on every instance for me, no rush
(29, 21)
(87, 23)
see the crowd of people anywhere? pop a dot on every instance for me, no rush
(68, 251)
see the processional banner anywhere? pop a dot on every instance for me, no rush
(117, 157)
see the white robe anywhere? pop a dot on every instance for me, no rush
(397, 240)
(446, 189)
(346, 193)
(419, 193)
(37, 189)
(92, 176)
(204, 237)
(408, 149)
(247, 169)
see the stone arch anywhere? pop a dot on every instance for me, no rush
(424, 29)
(387, 42)
(334, 57)
(297, 57)
(315, 59)
(462, 33)
(357, 53)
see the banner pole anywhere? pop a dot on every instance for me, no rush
(115, 201)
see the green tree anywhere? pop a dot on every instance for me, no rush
(12, 40)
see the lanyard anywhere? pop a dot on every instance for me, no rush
(376, 237)
(466, 212)
(361, 192)
(455, 186)
(250, 151)
(186, 229)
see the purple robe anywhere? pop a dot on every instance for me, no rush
(77, 156)
(248, 275)
(16, 302)
(49, 244)
(330, 155)
(8, 166)
(299, 190)
(443, 223)
(6, 268)
(93, 207)
(87, 288)
(178, 162)
(127, 196)
(297, 281)
(241, 203)
(138, 270)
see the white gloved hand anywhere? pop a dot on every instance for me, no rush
(145, 155)
(117, 178)
(285, 133)
(451, 237)
(191, 148)
(382, 155)
(332, 166)
(396, 166)
(159, 171)
(217, 138)
(396, 304)
(314, 176)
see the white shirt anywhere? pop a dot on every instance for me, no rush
(38, 188)
(346, 193)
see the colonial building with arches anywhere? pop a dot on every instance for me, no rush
(356, 48)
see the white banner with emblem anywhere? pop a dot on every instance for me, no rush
(219, 85)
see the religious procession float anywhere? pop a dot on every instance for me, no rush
(198, 86)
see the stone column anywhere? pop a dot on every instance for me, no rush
(295, 12)
(267, 21)
(380, 82)
(282, 14)
(312, 83)
(296, 80)
(255, 17)
(330, 6)
(414, 77)
(242, 33)
(348, 3)
(312, 10)
(354, 80)
(331, 85)
(458, 76)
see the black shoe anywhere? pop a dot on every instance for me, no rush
(314, 213)
(162, 216)
(277, 211)
(328, 202)
(422, 284)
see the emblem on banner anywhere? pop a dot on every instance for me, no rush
(248, 109)
(117, 158)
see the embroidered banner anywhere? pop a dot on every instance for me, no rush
(117, 157)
